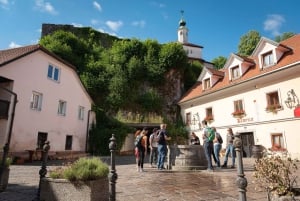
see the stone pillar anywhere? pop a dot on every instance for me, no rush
(113, 176)
(241, 181)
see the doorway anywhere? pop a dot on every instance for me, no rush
(247, 142)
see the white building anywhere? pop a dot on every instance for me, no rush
(52, 104)
(256, 96)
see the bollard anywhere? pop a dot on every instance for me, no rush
(241, 181)
(112, 175)
(43, 170)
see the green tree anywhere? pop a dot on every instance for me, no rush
(248, 43)
(68, 46)
(284, 36)
(219, 62)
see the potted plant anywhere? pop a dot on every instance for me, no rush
(84, 179)
(238, 113)
(5, 174)
(276, 174)
(273, 108)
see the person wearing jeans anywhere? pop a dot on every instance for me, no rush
(162, 146)
(217, 147)
(208, 146)
(229, 149)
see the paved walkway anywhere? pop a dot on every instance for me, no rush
(151, 185)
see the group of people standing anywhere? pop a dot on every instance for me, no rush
(158, 147)
(212, 144)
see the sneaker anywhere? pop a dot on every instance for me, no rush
(142, 170)
(210, 169)
(232, 166)
(224, 166)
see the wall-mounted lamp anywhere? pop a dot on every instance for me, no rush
(292, 101)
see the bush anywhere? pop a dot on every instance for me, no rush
(7, 163)
(83, 169)
(276, 174)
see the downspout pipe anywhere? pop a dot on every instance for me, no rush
(87, 131)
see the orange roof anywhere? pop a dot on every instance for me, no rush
(288, 58)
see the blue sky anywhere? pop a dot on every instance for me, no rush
(217, 25)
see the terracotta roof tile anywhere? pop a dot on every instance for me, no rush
(289, 57)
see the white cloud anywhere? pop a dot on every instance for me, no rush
(13, 45)
(4, 4)
(273, 24)
(76, 24)
(94, 21)
(97, 6)
(114, 25)
(45, 7)
(140, 23)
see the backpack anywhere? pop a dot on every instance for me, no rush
(211, 134)
(220, 139)
(138, 142)
(160, 138)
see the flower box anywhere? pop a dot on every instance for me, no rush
(238, 113)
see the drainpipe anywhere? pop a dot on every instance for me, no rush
(6, 146)
(87, 131)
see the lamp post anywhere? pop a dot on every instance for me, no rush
(292, 101)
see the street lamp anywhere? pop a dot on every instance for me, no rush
(292, 101)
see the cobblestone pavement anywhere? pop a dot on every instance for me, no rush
(151, 185)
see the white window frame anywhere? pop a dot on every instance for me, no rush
(268, 59)
(36, 101)
(81, 113)
(51, 74)
(206, 83)
(62, 108)
(235, 72)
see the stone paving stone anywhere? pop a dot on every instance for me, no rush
(151, 185)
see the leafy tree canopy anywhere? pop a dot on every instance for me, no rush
(248, 43)
(219, 62)
(284, 36)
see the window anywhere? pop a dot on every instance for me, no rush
(209, 114)
(235, 72)
(53, 73)
(238, 105)
(207, 83)
(273, 101)
(188, 119)
(81, 113)
(42, 138)
(277, 142)
(69, 139)
(62, 105)
(36, 101)
(268, 59)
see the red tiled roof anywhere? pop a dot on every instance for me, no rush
(9, 55)
(288, 58)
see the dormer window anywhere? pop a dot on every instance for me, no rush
(268, 59)
(206, 83)
(235, 72)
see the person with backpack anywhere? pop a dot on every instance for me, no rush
(153, 147)
(217, 146)
(208, 137)
(140, 148)
(229, 148)
(162, 146)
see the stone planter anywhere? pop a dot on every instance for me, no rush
(62, 190)
(4, 179)
(189, 157)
